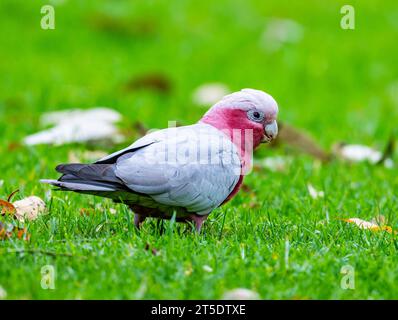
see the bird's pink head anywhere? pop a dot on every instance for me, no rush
(246, 112)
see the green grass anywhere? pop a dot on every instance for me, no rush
(337, 84)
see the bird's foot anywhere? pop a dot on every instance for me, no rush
(197, 220)
(138, 220)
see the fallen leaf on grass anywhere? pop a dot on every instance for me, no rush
(241, 294)
(207, 268)
(253, 203)
(140, 128)
(362, 224)
(75, 125)
(29, 208)
(6, 208)
(101, 114)
(314, 193)
(246, 188)
(357, 153)
(12, 146)
(152, 81)
(9, 230)
(121, 25)
(379, 220)
(362, 153)
(87, 211)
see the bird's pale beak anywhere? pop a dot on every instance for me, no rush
(270, 131)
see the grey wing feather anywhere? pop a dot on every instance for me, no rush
(140, 143)
(193, 184)
(150, 171)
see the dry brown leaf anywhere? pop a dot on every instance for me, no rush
(9, 231)
(141, 128)
(153, 81)
(246, 188)
(87, 211)
(6, 208)
(122, 26)
(12, 146)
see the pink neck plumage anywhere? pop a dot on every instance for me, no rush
(243, 134)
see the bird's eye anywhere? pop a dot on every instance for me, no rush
(255, 115)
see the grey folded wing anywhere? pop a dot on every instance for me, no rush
(193, 169)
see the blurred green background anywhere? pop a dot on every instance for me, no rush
(330, 79)
(338, 85)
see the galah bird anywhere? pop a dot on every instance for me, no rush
(183, 171)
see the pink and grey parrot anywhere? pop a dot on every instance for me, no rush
(187, 171)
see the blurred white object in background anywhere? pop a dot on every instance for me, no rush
(314, 194)
(357, 153)
(275, 164)
(3, 293)
(360, 153)
(209, 93)
(279, 32)
(78, 125)
(241, 294)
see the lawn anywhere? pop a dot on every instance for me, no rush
(273, 238)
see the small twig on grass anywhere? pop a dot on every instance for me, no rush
(45, 252)
(302, 141)
(11, 195)
(388, 151)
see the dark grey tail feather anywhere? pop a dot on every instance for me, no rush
(98, 189)
(81, 185)
(94, 179)
(87, 177)
(89, 172)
